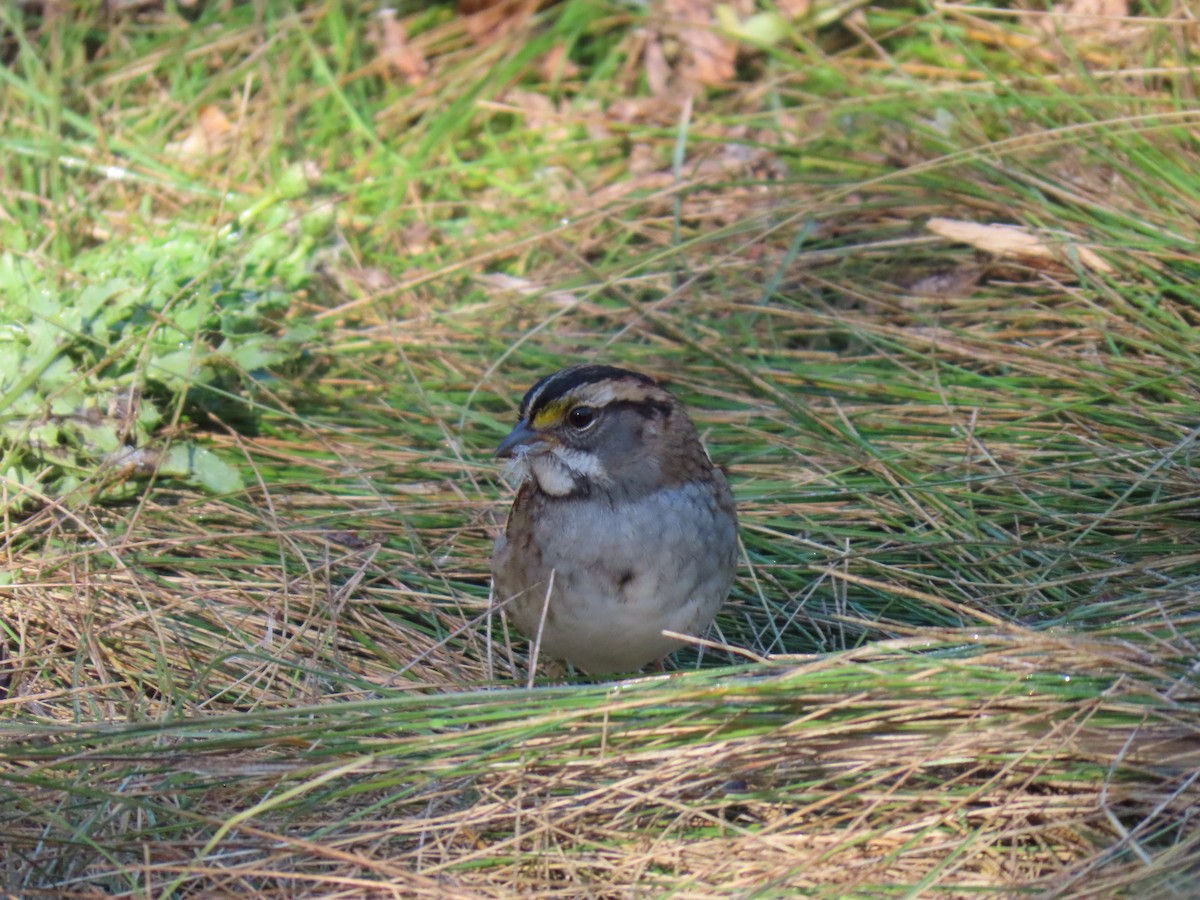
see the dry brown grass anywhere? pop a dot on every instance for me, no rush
(850, 774)
(966, 484)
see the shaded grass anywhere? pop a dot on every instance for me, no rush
(724, 778)
(969, 480)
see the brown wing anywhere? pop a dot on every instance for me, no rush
(516, 559)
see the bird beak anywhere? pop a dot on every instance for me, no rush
(521, 436)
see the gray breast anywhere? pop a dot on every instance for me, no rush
(622, 573)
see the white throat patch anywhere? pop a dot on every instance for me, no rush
(560, 469)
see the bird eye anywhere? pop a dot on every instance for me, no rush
(581, 417)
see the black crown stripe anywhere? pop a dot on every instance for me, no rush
(551, 387)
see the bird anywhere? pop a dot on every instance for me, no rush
(622, 527)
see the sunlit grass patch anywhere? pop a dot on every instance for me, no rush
(965, 474)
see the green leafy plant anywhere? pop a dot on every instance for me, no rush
(187, 327)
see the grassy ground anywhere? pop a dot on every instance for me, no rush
(322, 264)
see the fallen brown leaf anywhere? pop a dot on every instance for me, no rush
(1087, 17)
(487, 20)
(391, 42)
(556, 65)
(1091, 23)
(793, 9)
(1013, 242)
(658, 70)
(708, 55)
(209, 134)
(948, 284)
(540, 113)
(499, 283)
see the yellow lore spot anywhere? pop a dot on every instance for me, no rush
(551, 414)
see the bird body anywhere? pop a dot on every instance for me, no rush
(622, 527)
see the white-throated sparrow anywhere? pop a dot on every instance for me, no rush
(622, 526)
